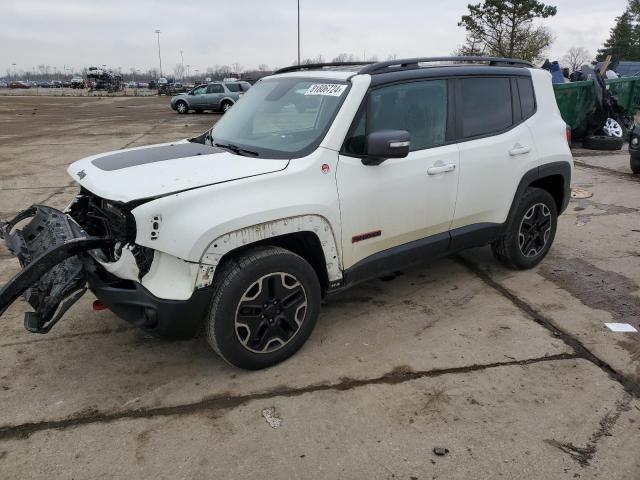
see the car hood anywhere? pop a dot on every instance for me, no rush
(158, 170)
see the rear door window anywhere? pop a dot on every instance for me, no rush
(233, 87)
(215, 88)
(485, 106)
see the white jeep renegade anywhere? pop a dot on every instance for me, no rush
(321, 177)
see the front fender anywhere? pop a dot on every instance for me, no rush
(315, 224)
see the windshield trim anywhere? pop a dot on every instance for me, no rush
(267, 153)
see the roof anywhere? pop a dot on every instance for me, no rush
(628, 69)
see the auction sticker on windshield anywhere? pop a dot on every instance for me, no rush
(329, 89)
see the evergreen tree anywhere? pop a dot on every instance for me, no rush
(624, 39)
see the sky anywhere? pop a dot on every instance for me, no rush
(119, 33)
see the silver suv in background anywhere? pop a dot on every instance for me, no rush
(217, 96)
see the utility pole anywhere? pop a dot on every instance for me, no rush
(298, 32)
(182, 63)
(14, 70)
(159, 56)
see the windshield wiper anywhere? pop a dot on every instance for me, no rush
(236, 149)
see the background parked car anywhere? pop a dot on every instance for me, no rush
(3, 84)
(77, 82)
(19, 84)
(213, 96)
(171, 88)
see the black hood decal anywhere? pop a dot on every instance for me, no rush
(133, 158)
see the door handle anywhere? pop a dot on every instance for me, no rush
(450, 167)
(519, 150)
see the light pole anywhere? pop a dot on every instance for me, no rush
(298, 32)
(14, 70)
(182, 63)
(159, 56)
(188, 71)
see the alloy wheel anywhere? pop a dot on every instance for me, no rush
(535, 229)
(270, 312)
(612, 128)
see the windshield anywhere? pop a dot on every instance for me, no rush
(281, 117)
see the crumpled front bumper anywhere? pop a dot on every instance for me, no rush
(52, 278)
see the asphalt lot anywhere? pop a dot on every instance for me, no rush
(514, 373)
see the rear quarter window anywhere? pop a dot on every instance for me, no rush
(486, 106)
(527, 97)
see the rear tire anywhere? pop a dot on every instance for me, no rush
(634, 163)
(182, 107)
(265, 305)
(602, 142)
(225, 106)
(529, 232)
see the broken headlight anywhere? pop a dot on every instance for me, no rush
(104, 218)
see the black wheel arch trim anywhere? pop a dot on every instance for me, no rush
(562, 168)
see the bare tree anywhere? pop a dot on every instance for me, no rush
(345, 57)
(237, 68)
(393, 56)
(473, 47)
(263, 67)
(576, 57)
(178, 71)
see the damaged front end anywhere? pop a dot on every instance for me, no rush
(91, 246)
(52, 277)
(54, 249)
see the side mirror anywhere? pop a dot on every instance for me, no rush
(385, 144)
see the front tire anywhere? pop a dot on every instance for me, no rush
(265, 305)
(182, 107)
(529, 232)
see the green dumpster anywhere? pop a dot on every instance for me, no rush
(576, 100)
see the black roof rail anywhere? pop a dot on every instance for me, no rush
(413, 63)
(373, 68)
(318, 66)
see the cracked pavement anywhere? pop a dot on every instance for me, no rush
(513, 372)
